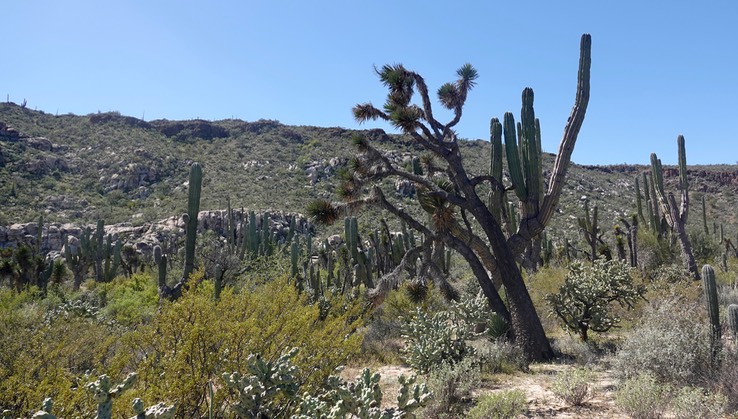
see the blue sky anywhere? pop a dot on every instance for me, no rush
(659, 68)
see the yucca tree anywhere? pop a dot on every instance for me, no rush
(480, 230)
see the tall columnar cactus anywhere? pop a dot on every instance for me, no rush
(733, 320)
(193, 209)
(104, 394)
(588, 227)
(676, 216)
(160, 259)
(79, 259)
(639, 202)
(713, 308)
(704, 217)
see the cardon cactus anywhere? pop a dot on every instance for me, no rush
(713, 309)
(193, 209)
(104, 395)
(733, 319)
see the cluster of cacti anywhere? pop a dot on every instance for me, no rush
(104, 394)
(355, 262)
(631, 234)
(157, 411)
(264, 383)
(675, 216)
(104, 397)
(270, 389)
(106, 254)
(588, 225)
(79, 259)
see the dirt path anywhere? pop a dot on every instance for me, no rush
(542, 403)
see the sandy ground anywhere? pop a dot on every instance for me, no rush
(542, 403)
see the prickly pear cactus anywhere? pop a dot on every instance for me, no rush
(104, 395)
(158, 411)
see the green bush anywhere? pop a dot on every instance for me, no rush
(642, 397)
(694, 403)
(672, 342)
(574, 386)
(191, 341)
(450, 386)
(130, 301)
(507, 404)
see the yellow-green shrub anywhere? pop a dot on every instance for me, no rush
(45, 356)
(195, 339)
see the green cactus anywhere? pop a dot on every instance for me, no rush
(193, 209)
(676, 216)
(160, 259)
(158, 411)
(588, 226)
(80, 260)
(104, 394)
(704, 217)
(713, 308)
(733, 320)
(218, 282)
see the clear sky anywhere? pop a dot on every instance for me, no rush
(659, 68)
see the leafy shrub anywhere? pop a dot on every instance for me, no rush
(506, 404)
(191, 341)
(583, 353)
(499, 357)
(694, 403)
(451, 384)
(642, 397)
(49, 355)
(671, 342)
(130, 301)
(583, 303)
(573, 386)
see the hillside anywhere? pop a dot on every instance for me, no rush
(126, 170)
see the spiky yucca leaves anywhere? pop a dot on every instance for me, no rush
(416, 291)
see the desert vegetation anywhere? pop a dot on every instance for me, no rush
(431, 276)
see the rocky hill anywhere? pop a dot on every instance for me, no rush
(133, 173)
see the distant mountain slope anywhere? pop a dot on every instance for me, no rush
(123, 169)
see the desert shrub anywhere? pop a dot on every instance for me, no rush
(642, 397)
(583, 353)
(704, 247)
(695, 403)
(573, 386)
(451, 385)
(671, 342)
(191, 341)
(584, 302)
(130, 301)
(507, 404)
(725, 380)
(382, 339)
(653, 252)
(671, 273)
(49, 355)
(498, 357)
